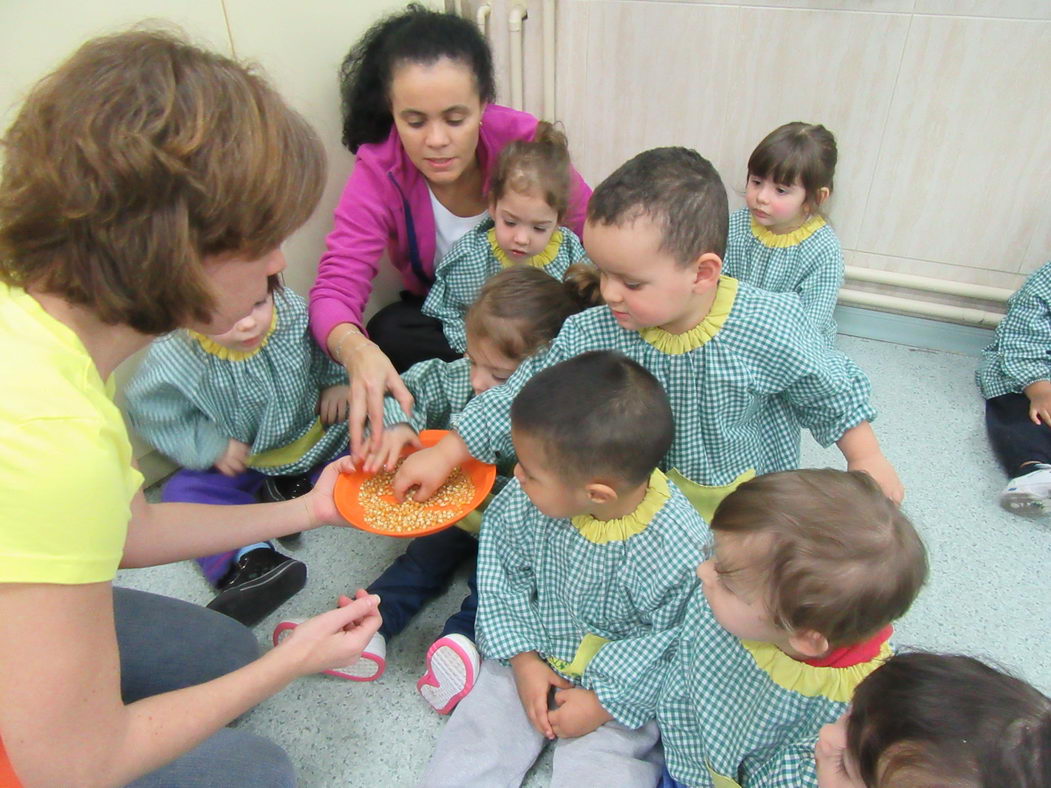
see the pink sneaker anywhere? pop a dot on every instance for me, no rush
(370, 665)
(452, 669)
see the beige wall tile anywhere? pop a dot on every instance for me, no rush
(962, 169)
(34, 42)
(1014, 9)
(653, 77)
(957, 273)
(826, 67)
(881, 6)
(300, 46)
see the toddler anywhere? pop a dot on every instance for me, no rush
(743, 367)
(528, 200)
(589, 547)
(255, 412)
(780, 242)
(939, 720)
(518, 311)
(1015, 378)
(808, 569)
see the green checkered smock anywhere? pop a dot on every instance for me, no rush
(563, 588)
(741, 713)
(1021, 351)
(188, 401)
(740, 385)
(807, 262)
(440, 391)
(463, 270)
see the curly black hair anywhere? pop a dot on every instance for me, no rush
(417, 35)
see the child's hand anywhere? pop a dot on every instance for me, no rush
(879, 468)
(235, 459)
(830, 755)
(321, 508)
(534, 680)
(1039, 394)
(579, 713)
(425, 470)
(334, 639)
(394, 439)
(334, 404)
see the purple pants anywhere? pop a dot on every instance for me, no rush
(210, 486)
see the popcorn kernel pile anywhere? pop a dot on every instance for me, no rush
(410, 515)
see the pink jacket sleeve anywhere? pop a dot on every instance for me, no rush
(360, 234)
(579, 195)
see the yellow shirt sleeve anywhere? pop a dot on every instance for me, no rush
(65, 493)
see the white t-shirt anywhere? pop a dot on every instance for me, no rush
(449, 228)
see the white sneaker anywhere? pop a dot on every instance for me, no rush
(452, 669)
(1029, 494)
(370, 665)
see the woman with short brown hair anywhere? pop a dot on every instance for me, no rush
(147, 185)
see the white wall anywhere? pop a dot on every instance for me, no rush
(299, 46)
(940, 107)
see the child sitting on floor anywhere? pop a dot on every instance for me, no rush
(808, 569)
(744, 368)
(528, 199)
(939, 720)
(517, 313)
(588, 547)
(1015, 378)
(780, 242)
(255, 412)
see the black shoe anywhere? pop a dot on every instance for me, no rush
(284, 488)
(259, 583)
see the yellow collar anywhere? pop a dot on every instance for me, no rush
(622, 528)
(836, 684)
(676, 344)
(539, 260)
(780, 241)
(228, 354)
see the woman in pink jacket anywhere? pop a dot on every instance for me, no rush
(418, 111)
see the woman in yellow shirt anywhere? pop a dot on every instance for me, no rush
(147, 185)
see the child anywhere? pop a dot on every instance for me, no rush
(808, 570)
(528, 200)
(780, 242)
(238, 411)
(1015, 378)
(743, 367)
(517, 313)
(939, 720)
(588, 547)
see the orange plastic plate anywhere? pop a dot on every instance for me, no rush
(348, 487)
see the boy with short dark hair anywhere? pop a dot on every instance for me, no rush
(588, 547)
(743, 368)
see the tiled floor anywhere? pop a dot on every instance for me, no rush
(989, 592)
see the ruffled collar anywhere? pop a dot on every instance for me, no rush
(834, 683)
(228, 354)
(676, 344)
(781, 240)
(539, 260)
(620, 529)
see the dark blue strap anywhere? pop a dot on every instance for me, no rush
(410, 228)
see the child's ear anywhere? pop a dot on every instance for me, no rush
(599, 493)
(707, 270)
(822, 195)
(808, 643)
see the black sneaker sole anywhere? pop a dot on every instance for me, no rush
(254, 600)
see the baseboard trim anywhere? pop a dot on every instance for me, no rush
(913, 331)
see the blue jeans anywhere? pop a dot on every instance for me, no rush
(166, 644)
(421, 573)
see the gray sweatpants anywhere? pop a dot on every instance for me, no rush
(490, 743)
